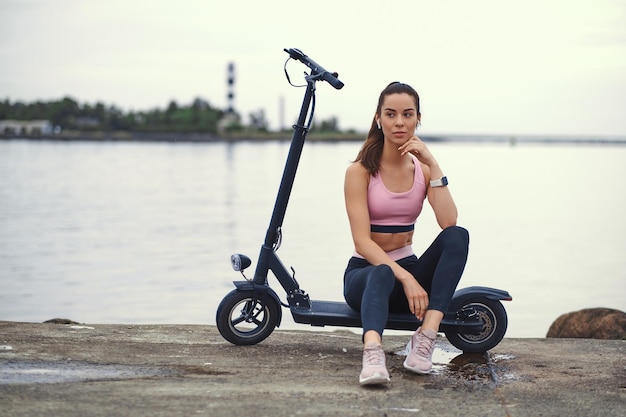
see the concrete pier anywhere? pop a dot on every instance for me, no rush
(189, 370)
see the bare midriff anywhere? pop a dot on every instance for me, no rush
(392, 241)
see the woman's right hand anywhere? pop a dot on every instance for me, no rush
(415, 295)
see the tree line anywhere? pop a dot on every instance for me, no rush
(198, 116)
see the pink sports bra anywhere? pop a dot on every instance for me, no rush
(395, 212)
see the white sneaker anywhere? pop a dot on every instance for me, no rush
(419, 351)
(374, 368)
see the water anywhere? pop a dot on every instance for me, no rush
(142, 232)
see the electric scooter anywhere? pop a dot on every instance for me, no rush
(476, 320)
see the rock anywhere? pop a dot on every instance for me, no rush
(591, 323)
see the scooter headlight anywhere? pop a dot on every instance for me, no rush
(240, 262)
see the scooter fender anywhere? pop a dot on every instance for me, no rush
(461, 296)
(260, 292)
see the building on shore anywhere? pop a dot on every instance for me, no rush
(26, 127)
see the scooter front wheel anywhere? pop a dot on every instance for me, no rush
(242, 320)
(492, 315)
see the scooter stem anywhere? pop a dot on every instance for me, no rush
(286, 185)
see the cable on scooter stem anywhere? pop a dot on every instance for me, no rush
(317, 69)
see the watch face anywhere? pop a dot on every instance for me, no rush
(444, 180)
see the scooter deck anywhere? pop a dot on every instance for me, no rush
(335, 313)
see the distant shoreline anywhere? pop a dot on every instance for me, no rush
(197, 137)
(200, 137)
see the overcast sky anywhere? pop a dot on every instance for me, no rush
(481, 66)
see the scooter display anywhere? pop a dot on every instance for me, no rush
(476, 320)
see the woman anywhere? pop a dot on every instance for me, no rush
(385, 188)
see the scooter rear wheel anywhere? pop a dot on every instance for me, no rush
(242, 320)
(494, 323)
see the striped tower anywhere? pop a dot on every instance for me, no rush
(230, 87)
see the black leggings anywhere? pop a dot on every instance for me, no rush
(374, 290)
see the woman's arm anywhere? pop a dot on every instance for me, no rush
(439, 198)
(355, 192)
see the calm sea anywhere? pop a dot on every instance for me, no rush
(142, 232)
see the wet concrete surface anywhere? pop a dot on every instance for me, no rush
(168, 370)
(49, 372)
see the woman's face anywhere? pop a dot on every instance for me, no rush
(398, 117)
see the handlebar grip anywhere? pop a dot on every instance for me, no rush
(332, 79)
(327, 76)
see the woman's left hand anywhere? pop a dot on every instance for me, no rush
(418, 148)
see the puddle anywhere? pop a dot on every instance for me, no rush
(446, 357)
(33, 372)
(450, 362)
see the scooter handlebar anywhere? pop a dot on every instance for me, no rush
(330, 77)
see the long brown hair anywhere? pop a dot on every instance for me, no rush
(372, 148)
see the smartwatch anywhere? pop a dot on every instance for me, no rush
(441, 182)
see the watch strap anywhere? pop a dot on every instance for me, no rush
(441, 182)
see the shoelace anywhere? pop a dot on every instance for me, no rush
(424, 346)
(374, 356)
